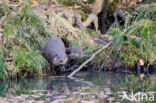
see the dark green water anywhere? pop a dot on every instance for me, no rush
(109, 84)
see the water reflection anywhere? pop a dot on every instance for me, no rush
(98, 85)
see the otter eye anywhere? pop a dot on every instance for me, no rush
(55, 56)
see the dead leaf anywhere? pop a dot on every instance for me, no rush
(20, 1)
(91, 41)
(13, 29)
(141, 62)
(10, 67)
(76, 6)
(7, 1)
(11, 54)
(10, 57)
(106, 36)
(108, 65)
(34, 2)
(96, 38)
(54, 28)
(19, 10)
(84, 0)
(89, 5)
(142, 76)
(107, 56)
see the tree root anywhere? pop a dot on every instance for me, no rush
(92, 18)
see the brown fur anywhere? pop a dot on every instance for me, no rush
(55, 52)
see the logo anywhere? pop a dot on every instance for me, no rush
(137, 97)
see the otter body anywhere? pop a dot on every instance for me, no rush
(55, 53)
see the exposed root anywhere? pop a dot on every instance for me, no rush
(78, 21)
(92, 18)
(123, 18)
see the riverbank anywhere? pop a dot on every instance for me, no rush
(26, 26)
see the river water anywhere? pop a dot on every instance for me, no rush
(92, 87)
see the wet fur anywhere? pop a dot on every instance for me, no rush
(55, 52)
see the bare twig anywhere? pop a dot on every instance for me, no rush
(87, 61)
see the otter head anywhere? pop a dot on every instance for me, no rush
(57, 60)
(75, 53)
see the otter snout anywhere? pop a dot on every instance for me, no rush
(63, 61)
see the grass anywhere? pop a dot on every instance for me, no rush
(3, 70)
(25, 32)
(83, 10)
(22, 33)
(135, 41)
(146, 11)
(127, 46)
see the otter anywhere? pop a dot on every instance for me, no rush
(55, 53)
(75, 53)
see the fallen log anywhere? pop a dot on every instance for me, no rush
(87, 61)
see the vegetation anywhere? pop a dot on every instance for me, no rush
(26, 25)
(138, 39)
(24, 34)
(21, 34)
(24, 30)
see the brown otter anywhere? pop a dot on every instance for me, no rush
(55, 53)
(75, 53)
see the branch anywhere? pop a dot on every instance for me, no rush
(87, 61)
